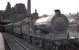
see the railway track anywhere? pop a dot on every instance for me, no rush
(20, 44)
(15, 43)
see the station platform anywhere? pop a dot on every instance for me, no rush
(2, 45)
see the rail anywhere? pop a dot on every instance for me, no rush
(14, 42)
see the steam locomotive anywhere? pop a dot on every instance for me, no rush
(36, 35)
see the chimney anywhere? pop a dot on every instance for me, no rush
(29, 7)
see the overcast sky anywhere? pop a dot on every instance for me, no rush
(47, 6)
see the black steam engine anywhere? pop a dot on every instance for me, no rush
(39, 39)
